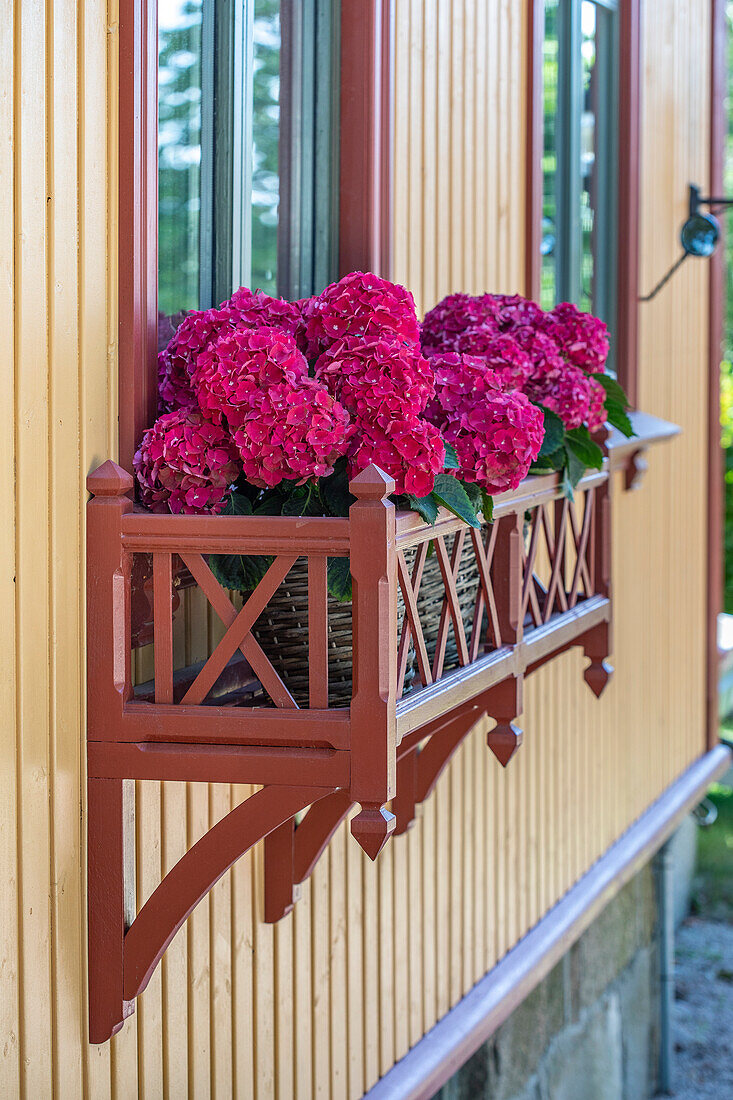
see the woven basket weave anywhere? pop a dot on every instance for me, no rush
(282, 628)
(282, 631)
(430, 604)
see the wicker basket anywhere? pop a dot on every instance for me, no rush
(282, 628)
(282, 631)
(430, 604)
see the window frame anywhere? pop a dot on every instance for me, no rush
(627, 181)
(363, 173)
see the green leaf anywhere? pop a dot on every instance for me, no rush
(227, 568)
(574, 469)
(339, 579)
(614, 391)
(473, 492)
(567, 486)
(451, 458)
(427, 507)
(584, 448)
(240, 572)
(451, 493)
(335, 491)
(237, 505)
(618, 419)
(554, 432)
(487, 506)
(545, 463)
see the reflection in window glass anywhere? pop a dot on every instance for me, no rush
(580, 101)
(179, 153)
(587, 154)
(265, 137)
(550, 66)
(218, 149)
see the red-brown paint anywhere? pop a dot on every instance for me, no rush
(365, 137)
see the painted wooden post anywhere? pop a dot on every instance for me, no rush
(506, 571)
(506, 699)
(373, 735)
(598, 643)
(108, 686)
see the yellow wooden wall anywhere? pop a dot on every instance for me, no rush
(325, 1002)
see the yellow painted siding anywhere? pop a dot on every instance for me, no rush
(324, 1002)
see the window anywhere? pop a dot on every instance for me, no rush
(580, 87)
(254, 149)
(247, 163)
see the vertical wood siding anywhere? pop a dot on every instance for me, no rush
(326, 1001)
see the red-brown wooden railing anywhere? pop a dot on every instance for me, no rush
(542, 583)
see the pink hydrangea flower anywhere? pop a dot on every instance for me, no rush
(582, 337)
(597, 410)
(411, 451)
(455, 314)
(501, 352)
(293, 429)
(245, 309)
(240, 364)
(382, 379)
(360, 304)
(460, 382)
(496, 439)
(185, 464)
(566, 392)
(512, 311)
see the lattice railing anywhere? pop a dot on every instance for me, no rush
(444, 624)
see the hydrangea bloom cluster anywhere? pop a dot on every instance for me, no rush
(360, 304)
(409, 450)
(382, 379)
(235, 369)
(549, 356)
(496, 432)
(185, 464)
(497, 440)
(293, 430)
(245, 309)
(583, 337)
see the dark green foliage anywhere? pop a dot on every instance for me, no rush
(584, 448)
(339, 579)
(451, 493)
(554, 432)
(451, 458)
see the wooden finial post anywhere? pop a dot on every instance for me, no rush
(374, 576)
(598, 643)
(109, 824)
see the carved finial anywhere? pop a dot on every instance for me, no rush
(372, 827)
(597, 675)
(504, 740)
(109, 480)
(371, 484)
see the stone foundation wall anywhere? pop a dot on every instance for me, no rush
(590, 1030)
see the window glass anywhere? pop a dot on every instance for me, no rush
(179, 153)
(549, 154)
(265, 136)
(580, 94)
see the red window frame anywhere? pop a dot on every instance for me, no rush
(364, 184)
(627, 325)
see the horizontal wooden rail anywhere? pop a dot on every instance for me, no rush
(498, 602)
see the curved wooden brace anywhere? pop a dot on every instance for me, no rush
(198, 870)
(315, 831)
(292, 851)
